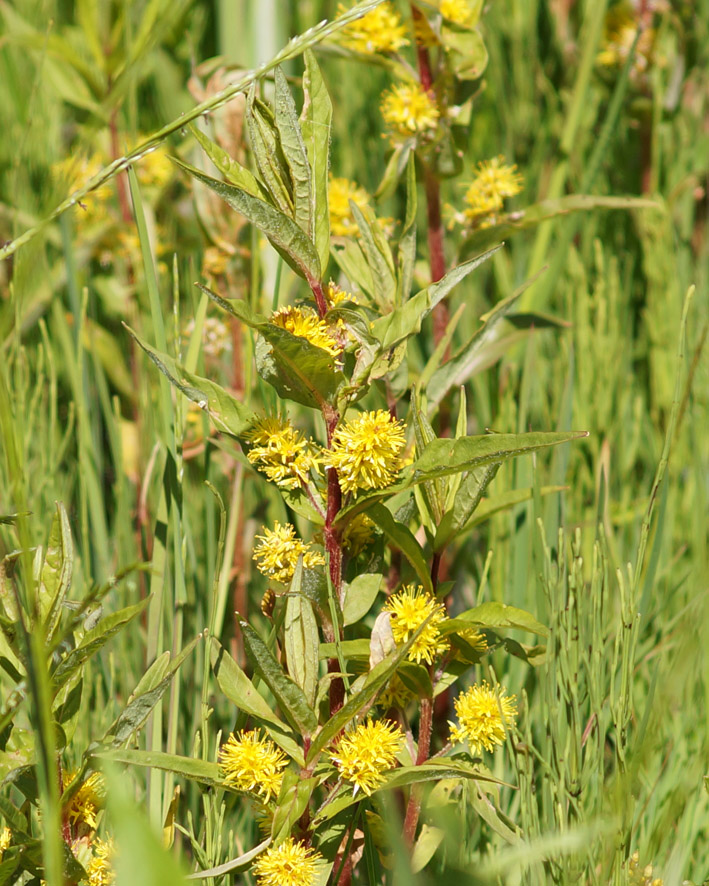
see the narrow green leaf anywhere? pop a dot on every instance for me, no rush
(228, 414)
(55, 577)
(301, 637)
(231, 170)
(403, 539)
(407, 241)
(315, 122)
(237, 687)
(378, 255)
(406, 320)
(293, 148)
(467, 499)
(290, 697)
(285, 235)
(498, 615)
(94, 640)
(266, 150)
(195, 769)
(292, 802)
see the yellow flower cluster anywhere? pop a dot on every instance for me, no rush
(621, 26)
(86, 803)
(277, 554)
(365, 451)
(253, 764)
(474, 638)
(288, 864)
(305, 323)
(408, 110)
(5, 840)
(410, 608)
(340, 192)
(100, 868)
(644, 876)
(485, 195)
(396, 694)
(357, 534)
(364, 755)
(281, 453)
(380, 30)
(482, 715)
(337, 296)
(460, 12)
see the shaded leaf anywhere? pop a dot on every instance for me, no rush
(315, 122)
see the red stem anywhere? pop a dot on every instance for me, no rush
(413, 810)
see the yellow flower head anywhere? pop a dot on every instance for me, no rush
(277, 555)
(380, 30)
(305, 323)
(86, 803)
(483, 714)
(473, 637)
(644, 876)
(5, 840)
(365, 451)
(620, 28)
(409, 609)
(396, 694)
(337, 296)
(409, 110)
(100, 868)
(357, 534)
(460, 12)
(253, 764)
(364, 755)
(289, 864)
(340, 192)
(486, 193)
(281, 453)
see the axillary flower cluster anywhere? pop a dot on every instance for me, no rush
(485, 196)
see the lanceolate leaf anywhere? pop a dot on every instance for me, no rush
(93, 640)
(406, 320)
(290, 697)
(293, 244)
(301, 637)
(192, 768)
(231, 170)
(497, 615)
(378, 254)
(228, 414)
(467, 499)
(237, 687)
(315, 121)
(295, 153)
(403, 539)
(57, 568)
(443, 457)
(266, 149)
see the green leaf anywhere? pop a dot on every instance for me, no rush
(266, 150)
(290, 697)
(292, 802)
(471, 358)
(94, 640)
(237, 687)
(282, 231)
(531, 216)
(293, 147)
(228, 414)
(378, 255)
(406, 321)
(403, 540)
(360, 594)
(353, 264)
(203, 771)
(150, 689)
(467, 499)
(467, 52)
(57, 568)
(234, 172)
(315, 122)
(407, 241)
(443, 457)
(425, 846)
(498, 615)
(301, 637)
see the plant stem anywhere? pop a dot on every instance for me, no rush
(413, 810)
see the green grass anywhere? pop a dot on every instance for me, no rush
(611, 754)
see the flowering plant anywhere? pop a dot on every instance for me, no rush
(341, 702)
